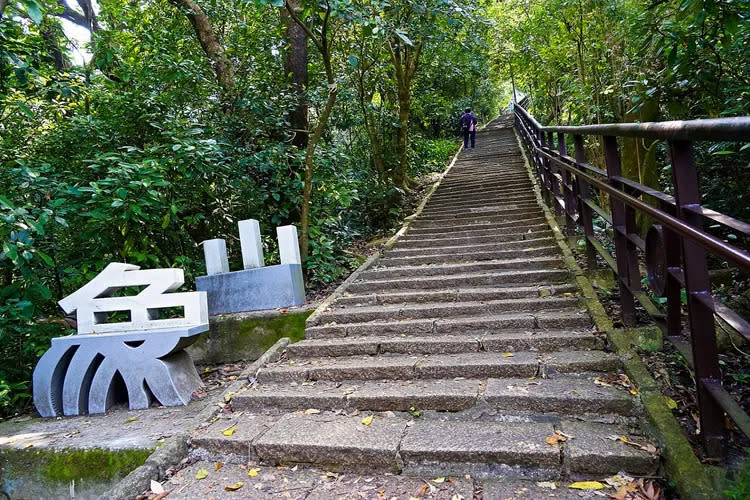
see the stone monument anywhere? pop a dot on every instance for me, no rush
(257, 286)
(123, 335)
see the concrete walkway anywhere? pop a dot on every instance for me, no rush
(464, 353)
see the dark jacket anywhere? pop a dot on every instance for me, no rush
(470, 118)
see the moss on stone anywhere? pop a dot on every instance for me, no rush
(52, 470)
(235, 338)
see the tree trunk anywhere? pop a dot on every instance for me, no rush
(209, 43)
(405, 61)
(309, 157)
(295, 67)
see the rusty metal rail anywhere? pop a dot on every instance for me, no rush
(675, 248)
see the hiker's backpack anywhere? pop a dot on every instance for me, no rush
(465, 123)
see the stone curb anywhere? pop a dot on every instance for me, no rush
(175, 448)
(372, 259)
(692, 479)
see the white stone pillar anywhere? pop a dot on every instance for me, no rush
(252, 246)
(288, 245)
(215, 252)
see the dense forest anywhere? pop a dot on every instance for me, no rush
(187, 116)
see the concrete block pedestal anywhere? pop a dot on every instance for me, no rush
(268, 287)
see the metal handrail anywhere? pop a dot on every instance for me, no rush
(675, 250)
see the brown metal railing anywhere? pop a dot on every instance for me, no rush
(676, 245)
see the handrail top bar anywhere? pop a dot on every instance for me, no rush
(720, 129)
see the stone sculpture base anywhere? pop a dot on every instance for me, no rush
(76, 375)
(268, 287)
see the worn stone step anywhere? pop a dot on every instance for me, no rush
(358, 314)
(500, 208)
(473, 233)
(519, 449)
(504, 214)
(473, 241)
(460, 294)
(544, 276)
(424, 271)
(470, 255)
(474, 244)
(477, 219)
(397, 395)
(560, 394)
(515, 224)
(333, 440)
(476, 195)
(592, 450)
(563, 395)
(402, 367)
(506, 341)
(450, 326)
(475, 208)
(452, 445)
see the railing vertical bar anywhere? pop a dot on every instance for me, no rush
(697, 286)
(619, 216)
(583, 194)
(570, 205)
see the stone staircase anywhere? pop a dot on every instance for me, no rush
(467, 344)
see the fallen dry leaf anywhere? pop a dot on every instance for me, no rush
(218, 465)
(438, 480)
(229, 430)
(587, 485)
(201, 474)
(555, 438)
(508, 355)
(131, 419)
(671, 403)
(234, 487)
(253, 472)
(547, 484)
(311, 411)
(367, 420)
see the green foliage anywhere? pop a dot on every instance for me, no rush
(139, 155)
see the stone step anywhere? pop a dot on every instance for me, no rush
(477, 219)
(497, 215)
(452, 326)
(545, 276)
(505, 341)
(397, 395)
(469, 233)
(470, 255)
(516, 224)
(477, 194)
(459, 240)
(561, 395)
(450, 446)
(479, 207)
(521, 364)
(461, 294)
(499, 208)
(342, 314)
(480, 243)
(424, 271)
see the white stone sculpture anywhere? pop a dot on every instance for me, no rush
(76, 375)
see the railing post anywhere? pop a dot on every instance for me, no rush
(583, 194)
(544, 170)
(624, 254)
(673, 285)
(700, 302)
(553, 168)
(570, 206)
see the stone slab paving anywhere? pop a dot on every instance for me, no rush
(464, 352)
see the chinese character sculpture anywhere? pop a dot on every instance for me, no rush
(257, 287)
(77, 375)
